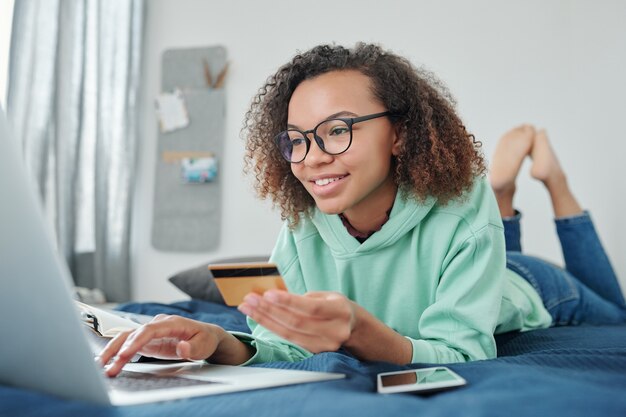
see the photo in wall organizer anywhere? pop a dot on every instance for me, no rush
(171, 111)
(198, 170)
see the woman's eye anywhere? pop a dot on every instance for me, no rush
(340, 130)
(297, 141)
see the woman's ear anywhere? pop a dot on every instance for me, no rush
(397, 142)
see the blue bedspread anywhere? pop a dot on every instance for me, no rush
(566, 371)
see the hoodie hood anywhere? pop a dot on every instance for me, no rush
(404, 216)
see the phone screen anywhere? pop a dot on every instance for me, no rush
(427, 379)
(417, 377)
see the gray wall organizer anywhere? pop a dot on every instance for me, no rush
(187, 216)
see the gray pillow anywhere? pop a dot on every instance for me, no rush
(198, 282)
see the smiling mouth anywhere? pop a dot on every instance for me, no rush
(326, 181)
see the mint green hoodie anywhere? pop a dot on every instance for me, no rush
(435, 274)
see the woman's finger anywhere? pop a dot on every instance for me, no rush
(311, 333)
(311, 304)
(264, 312)
(200, 346)
(168, 328)
(314, 341)
(111, 349)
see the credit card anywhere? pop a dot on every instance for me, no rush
(236, 280)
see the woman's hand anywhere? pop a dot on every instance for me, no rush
(317, 321)
(326, 321)
(173, 337)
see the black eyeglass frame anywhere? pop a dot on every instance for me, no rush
(349, 121)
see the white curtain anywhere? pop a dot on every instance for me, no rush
(72, 99)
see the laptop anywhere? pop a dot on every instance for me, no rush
(45, 346)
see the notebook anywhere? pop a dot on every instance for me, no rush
(44, 345)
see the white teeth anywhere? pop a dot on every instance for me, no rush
(326, 181)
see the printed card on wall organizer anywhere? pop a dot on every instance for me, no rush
(171, 111)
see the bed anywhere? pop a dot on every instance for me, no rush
(563, 371)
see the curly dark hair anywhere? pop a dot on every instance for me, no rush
(438, 157)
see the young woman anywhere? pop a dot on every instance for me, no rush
(393, 246)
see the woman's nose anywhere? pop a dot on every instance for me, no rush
(316, 155)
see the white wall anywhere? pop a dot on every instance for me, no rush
(558, 64)
(6, 19)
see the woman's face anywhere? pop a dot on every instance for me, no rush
(357, 182)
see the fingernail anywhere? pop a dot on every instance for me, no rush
(244, 309)
(271, 296)
(252, 300)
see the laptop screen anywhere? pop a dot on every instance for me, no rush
(42, 333)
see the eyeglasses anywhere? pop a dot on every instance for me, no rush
(333, 136)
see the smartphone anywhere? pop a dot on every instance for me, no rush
(235, 280)
(425, 380)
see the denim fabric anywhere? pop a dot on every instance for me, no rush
(512, 232)
(587, 290)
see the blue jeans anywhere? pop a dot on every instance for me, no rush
(587, 290)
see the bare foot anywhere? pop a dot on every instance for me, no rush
(547, 169)
(514, 146)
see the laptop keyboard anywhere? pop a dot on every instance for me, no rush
(140, 381)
